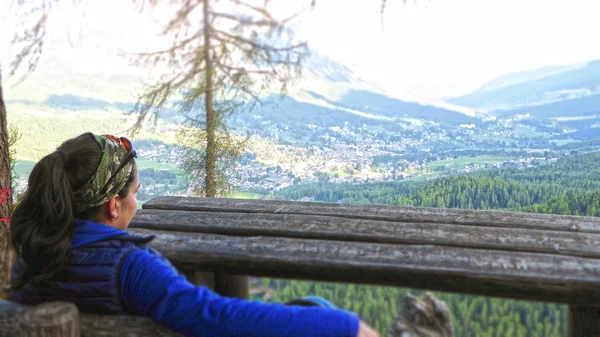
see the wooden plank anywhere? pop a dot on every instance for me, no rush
(363, 230)
(583, 321)
(531, 276)
(9, 314)
(53, 319)
(380, 212)
(92, 325)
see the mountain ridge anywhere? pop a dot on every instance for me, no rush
(536, 87)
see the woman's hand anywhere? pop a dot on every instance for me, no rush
(366, 331)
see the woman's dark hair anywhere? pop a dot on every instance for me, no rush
(43, 221)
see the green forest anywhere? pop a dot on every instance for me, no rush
(570, 185)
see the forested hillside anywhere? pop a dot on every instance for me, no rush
(570, 185)
(580, 171)
(473, 316)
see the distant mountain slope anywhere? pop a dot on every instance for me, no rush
(538, 87)
(381, 105)
(328, 95)
(579, 117)
(567, 109)
(331, 84)
(354, 109)
(527, 76)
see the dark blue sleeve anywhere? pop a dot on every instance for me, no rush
(152, 287)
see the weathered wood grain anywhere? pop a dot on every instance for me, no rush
(533, 276)
(91, 325)
(55, 319)
(484, 218)
(232, 285)
(121, 325)
(583, 321)
(365, 230)
(9, 318)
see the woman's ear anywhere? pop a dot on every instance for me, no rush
(113, 207)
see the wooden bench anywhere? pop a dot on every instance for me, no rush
(492, 253)
(90, 325)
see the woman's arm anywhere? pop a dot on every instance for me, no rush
(152, 287)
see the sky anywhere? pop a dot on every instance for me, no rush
(439, 48)
(446, 47)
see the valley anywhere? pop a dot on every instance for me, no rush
(352, 131)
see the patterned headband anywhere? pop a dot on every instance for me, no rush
(111, 175)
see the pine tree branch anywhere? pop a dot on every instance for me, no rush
(174, 48)
(181, 17)
(244, 41)
(244, 89)
(246, 21)
(226, 68)
(34, 40)
(256, 9)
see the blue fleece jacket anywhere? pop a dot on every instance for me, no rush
(152, 287)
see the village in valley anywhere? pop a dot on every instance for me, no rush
(354, 155)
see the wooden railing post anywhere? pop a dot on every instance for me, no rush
(224, 284)
(583, 321)
(232, 285)
(201, 278)
(52, 319)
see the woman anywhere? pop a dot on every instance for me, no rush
(69, 231)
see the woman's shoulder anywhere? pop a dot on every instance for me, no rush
(149, 260)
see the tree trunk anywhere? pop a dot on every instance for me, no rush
(226, 285)
(6, 254)
(211, 151)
